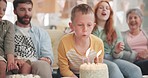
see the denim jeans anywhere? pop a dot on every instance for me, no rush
(119, 68)
(113, 69)
(128, 69)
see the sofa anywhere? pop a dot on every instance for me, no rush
(55, 36)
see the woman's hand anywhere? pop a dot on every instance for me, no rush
(143, 55)
(119, 47)
(10, 59)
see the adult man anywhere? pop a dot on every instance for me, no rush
(31, 43)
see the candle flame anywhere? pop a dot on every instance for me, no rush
(87, 52)
(99, 53)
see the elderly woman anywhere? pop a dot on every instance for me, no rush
(136, 41)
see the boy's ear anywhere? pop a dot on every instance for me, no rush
(94, 24)
(70, 25)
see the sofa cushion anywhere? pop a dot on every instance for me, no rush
(55, 36)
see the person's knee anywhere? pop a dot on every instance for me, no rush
(40, 64)
(42, 68)
(26, 65)
(26, 69)
(112, 65)
(136, 70)
(129, 69)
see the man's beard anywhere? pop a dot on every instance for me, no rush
(25, 22)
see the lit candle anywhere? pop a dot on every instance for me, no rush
(98, 54)
(87, 52)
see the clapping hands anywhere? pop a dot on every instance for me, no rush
(119, 47)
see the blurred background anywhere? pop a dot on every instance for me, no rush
(55, 14)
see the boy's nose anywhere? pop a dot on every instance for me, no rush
(85, 28)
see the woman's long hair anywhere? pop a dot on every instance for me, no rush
(110, 32)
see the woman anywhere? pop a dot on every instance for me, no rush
(113, 43)
(136, 41)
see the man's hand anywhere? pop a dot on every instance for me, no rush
(20, 62)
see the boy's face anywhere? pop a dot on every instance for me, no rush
(82, 24)
(2, 9)
(24, 13)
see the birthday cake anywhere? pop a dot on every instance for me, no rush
(93, 70)
(23, 76)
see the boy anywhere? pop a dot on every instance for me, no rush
(72, 47)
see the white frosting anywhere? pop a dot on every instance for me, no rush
(23, 76)
(99, 70)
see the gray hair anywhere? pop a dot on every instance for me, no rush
(136, 11)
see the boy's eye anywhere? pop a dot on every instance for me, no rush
(89, 25)
(80, 24)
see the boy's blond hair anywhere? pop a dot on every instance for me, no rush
(84, 8)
